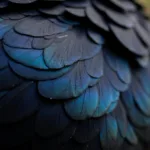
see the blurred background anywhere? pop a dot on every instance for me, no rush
(146, 6)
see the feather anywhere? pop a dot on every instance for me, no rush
(21, 41)
(68, 48)
(96, 18)
(112, 106)
(87, 130)
(107, 95)
(84, 106)
(123, 20)
(37, 74)
(94, 70)
(114, 79)
(124, 5)
(117, 17)
(3, 58)
(29, 57)
(70, 85)
(32, 26)
(136, 116)
(76, 4)
(95, 36)
(41, 43)
(143, 77)
(131, 135)
(121, 117)
(3, 93)
(141, 98)
(8, 79)
(18, 104)
(79, 12)
(56, 10)
(68, 21)
(116, 63)
(51, 120)
(142, 33)
(22, 1)
(129, 40)
(4, 27)
(108, 134)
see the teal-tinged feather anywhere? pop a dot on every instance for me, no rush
(84, 106)
(29, 57)
(131, 135)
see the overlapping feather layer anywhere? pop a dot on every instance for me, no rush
(74, 75)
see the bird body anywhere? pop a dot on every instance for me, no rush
(74, 75)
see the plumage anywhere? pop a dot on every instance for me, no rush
(108, 134)
(51, 120)
(85, 105)
(87, 130)
(29, 57)
(19, 98)
(37, 74)
(21, 41)
(74, 75)
(129, 40)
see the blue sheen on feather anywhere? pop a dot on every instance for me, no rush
(3, 29)
(121, 117)
(114, 79)
(84, 106)
(67, 21)
(123, 71)
(136, 116)
(29, 57)
(18, 103)
(70, 85)
(144, 80)
(95, 36)
(21, 41)
(131, 135)
(94, 66)
(35, 74)
(108, 132)
(93, 81)
(107, 95)
(112, 126)
(112, 107)
(141, 98)
(119, 65)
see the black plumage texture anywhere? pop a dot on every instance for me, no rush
(74, 75)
